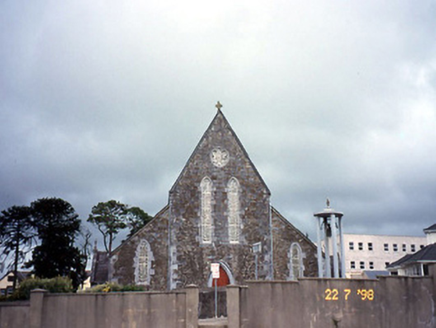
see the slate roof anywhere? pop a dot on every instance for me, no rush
(100, 268)
(374, 274)
(426, 254)
(430, 228)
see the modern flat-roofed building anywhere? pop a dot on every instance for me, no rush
(376, 252)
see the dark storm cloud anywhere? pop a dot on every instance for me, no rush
(107, 100)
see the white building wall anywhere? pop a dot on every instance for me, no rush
(431, 238)
(374, 252)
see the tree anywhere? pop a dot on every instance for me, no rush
(110, 219)
(86, 247)
(136, 219)
(58, 226)
(17, 234)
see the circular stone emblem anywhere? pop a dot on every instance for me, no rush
(219, 157)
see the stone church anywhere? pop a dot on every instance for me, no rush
(218, 211)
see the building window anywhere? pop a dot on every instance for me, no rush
(395, 248)
(386, 247)
(296, 270)
(371, 265)
(233, 214)
(362, 265)
(404, 248)
(416, 270)
(426, 271)
(421, 246)
(206, 211)
(143, 263)
(370, 247)
(386, 264)
(353, 265)
(351, 245)
(360, 246)
(413, 248)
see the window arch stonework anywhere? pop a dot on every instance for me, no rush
(143, 261)
(296, 268)
(234, 224)
(206, 223)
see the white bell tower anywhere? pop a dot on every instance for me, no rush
(329, 232)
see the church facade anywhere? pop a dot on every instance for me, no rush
(219, 211)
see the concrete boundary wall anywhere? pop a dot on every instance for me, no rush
(389, 302)
(14, 314)
(177, 309)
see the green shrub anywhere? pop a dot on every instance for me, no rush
(52, 285)
(133, 288)
(105, 288)
(114, 287)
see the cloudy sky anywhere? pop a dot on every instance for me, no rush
(105, 100)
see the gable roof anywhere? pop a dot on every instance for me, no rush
(285, 221)
(219, 116)
(426, 254)
(100, 268)
(156, 217)
(430, 228)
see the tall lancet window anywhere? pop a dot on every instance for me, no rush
(233, 210)
(143, 263)
(206, 211)
(296, 265)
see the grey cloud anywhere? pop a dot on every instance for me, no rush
(108, 100)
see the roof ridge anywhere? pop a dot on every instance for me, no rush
(209, 128)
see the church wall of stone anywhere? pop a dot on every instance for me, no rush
(190, 258)
(123, 258)
(181, 247)
(284, 235)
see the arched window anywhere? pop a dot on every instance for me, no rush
(296, 262)
(234, 224)
(143, 263)
(206, 211)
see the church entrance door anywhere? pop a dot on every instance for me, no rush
(223, 280)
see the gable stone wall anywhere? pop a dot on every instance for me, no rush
(124, 257)
(284, 235)
(189, 258)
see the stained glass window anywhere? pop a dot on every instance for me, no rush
(206, 211)
(233, 210)
(142, 270)
(296, 262)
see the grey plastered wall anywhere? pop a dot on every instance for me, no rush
(135, 309)
(398, 302)
(14, 314)
(114, 310)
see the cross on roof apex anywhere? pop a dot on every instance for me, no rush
(218, 105)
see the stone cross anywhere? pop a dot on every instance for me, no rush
(218, 105)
